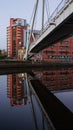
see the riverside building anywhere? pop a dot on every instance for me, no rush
(16, 36)
(61, 51)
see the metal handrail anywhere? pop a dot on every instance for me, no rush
(60, 8)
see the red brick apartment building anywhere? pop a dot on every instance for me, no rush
(61, 51)
(15, 36)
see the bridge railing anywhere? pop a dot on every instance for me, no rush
(51, 21)
(60, 8)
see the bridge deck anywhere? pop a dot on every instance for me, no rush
(62, 28)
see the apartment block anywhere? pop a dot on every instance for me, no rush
(15, 36)
(61, 51)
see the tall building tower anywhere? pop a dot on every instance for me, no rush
(15, 36)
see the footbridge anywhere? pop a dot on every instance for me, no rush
(58, 27)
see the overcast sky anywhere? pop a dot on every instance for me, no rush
(18, 9)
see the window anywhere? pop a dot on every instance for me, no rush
(66, 42)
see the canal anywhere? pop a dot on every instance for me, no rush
(37, 99)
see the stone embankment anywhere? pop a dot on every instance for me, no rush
(28, 64)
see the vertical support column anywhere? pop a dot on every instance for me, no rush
(36, 5)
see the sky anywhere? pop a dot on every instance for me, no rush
(19, 9)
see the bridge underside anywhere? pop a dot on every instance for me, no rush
(62, 31)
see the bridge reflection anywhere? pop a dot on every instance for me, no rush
(38, 89)
(46, 84)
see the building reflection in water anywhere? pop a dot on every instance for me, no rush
(16, 89)
(60, 83)
(56, 80)
(20, 94)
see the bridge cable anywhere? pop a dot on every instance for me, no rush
(35, 10)
(47, 9)
(46, 12)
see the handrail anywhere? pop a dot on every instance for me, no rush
(60, 8)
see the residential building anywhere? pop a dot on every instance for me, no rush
(61, 51)
(15, 36)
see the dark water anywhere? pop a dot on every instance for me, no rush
(19, 106)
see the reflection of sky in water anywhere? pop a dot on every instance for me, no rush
(19, 117)
(66, 98)
(13, 117)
